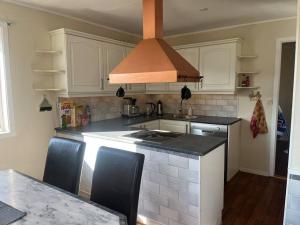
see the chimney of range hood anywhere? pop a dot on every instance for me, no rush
(153, 60)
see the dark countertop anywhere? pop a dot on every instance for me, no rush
(200, 119)
(115, 129)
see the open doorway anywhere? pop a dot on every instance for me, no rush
(283, 106)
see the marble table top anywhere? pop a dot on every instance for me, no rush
(47, 205)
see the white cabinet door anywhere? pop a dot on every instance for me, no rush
(175, 126)
(192, 56)
(83, 65)
(112, 56)
(134, 88)
(217, 65)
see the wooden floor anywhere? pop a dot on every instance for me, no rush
(254, 200)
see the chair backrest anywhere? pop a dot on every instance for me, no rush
(116, 181)
(64, 163)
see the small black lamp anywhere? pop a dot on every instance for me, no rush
(120, 92)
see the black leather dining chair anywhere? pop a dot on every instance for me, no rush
(116, 181)
(63, 164)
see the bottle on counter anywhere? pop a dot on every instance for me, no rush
(190, 111)
(88, 113)
(159, 108)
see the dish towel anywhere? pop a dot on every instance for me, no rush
(258, 123)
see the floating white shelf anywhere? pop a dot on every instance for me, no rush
(247, 72)
(247, 88)
(48, 71)
(247, 56)
(50, 52)
(49, 89)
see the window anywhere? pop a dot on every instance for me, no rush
(5, 94)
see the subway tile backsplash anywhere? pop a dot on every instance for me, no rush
(207, 105)
(108, 107)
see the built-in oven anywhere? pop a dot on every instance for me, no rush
(214, 130)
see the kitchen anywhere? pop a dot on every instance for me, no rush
(68, 61)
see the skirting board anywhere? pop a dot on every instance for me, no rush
(257, 172)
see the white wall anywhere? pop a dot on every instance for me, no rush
(258, 39)
(26, 151)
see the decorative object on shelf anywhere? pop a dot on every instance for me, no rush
(45, 106)
(245, 81)
(255, 96)
(120, 92)
(245, 78)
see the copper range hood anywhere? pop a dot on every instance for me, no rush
(153, 60)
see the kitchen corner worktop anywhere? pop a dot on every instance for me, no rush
(188, 144)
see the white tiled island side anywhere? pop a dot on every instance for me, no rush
(177, 188)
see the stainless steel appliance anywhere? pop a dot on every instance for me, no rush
(209, 129)
(150, 108)
(214, 130)
(130, 109)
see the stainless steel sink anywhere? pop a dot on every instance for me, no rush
(154, 136)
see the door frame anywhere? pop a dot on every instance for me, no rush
(278, 53)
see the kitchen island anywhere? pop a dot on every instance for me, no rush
(183, 176)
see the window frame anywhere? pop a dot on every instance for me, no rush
(6, 111)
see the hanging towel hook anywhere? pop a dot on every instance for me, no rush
(255, 96)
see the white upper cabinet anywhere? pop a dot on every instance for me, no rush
(83, 65)
(218, 66)
(192, 56)
(86, 61)
(112, 55)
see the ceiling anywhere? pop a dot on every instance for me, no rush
(180, 16)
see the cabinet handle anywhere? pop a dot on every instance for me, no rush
(186, 128)
(201, 83)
